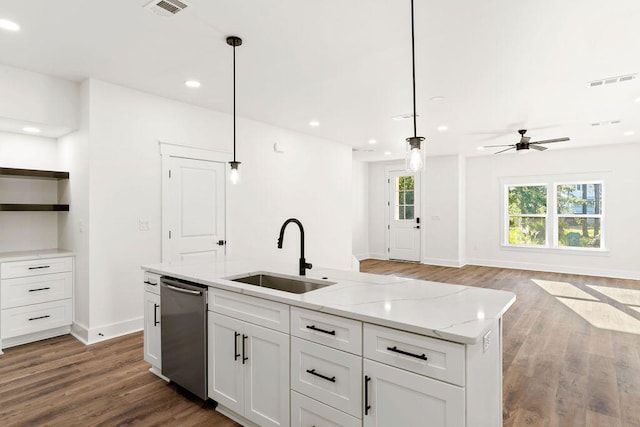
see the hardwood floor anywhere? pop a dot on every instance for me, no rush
(559, 369)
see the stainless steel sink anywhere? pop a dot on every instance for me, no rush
(291, 284)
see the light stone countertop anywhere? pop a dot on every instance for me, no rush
(35, 254)
(456, 313)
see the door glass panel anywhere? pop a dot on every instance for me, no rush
(404, 203)
(408, 212)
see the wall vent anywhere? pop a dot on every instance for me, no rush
(166, 7)
(611, 80)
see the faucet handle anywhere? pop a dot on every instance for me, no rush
(308, 265)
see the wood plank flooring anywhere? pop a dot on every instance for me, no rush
(559, 369)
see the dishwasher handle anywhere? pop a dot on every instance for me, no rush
(182, 290)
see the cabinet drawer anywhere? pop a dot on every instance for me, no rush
(434, 358)
(37, 317)
(36, 289)
(334, 331)
(309, 412)
(152, 282)
(262, 312)
(328, 375)
(35, 267)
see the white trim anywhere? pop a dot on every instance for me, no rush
(587, 271)
(377, 255)
(443, 262)
(106, 332)
(35, 336)
(177, 150)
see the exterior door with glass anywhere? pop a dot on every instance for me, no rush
(404, 215)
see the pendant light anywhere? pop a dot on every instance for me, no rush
(414, 154)
(234, 176)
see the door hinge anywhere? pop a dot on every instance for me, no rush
(388, 249)
(169, 173)
(388, 203)
(169, 233)
(388, 181)
(388, 227)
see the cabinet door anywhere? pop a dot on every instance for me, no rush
(400, 398)
(152, 346)
(225, 361)
(266, 377)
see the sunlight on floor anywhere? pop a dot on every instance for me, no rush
(563, 289)
(602, 315)
(624, 296)
(597, 313)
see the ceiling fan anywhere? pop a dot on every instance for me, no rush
(524, 143)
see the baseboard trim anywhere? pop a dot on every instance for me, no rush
(235, 417)
(35, 336)
(443, 262)
(106, 332)
(566, 269)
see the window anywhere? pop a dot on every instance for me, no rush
(555, 215)
(404, 199)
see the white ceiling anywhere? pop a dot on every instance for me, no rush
(500, 65)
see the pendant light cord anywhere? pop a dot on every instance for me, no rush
(234, 101)
(413, 62)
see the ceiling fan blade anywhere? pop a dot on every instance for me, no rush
(506, 149)
(548, 141)
(503, 145)
(537, 147)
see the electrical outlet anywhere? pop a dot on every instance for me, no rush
(486, 342)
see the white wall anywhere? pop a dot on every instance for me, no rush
(621, 209)
(360, 202)
(21, 231)
(32, 98)
(311, 180)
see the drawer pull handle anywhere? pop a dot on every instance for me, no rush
(366, 395)
(324, 377)
(244, 358)
(235, 346)
(155, 314)
(314, 328)
(37, 268)
(39, 289)
(406, 353)
(150, 283)
(40, 317)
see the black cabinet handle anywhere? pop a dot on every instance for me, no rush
(314, 328)
(244, 338)
(366, 395)
(235, 346)
(39, 289)
(406, 353)
(37, 268)
(155, 314)
(41, 317)
(150, 283)
(324, 377)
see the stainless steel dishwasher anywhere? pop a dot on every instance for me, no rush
(183, 317)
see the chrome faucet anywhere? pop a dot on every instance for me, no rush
(303, 264)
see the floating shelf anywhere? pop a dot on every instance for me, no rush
(33, 173)
(25, 207)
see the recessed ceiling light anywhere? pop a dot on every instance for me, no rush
(638, 99)
(314, 123)
(629, 133)
(372, 141)
(437, 98)
(481, 148)
(443, 128)
(31, 129)
(192, 83)
(387, 153)
(9, 25)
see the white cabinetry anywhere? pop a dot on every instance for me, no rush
(35, 299)
(152, 340)
(249, 364)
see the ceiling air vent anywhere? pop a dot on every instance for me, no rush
(166, 7)
(611, 80)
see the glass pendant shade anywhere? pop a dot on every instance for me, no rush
(234, 176)
(414, 153)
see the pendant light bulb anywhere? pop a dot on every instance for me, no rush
(234, 176)
(414, 155)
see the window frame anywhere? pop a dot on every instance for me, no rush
(552, 216)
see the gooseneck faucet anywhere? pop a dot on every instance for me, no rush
(303, 264)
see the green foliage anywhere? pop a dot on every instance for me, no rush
(530, 199)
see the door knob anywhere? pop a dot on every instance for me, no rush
(221, 242)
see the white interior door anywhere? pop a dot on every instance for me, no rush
(404, 215)
(193, 210)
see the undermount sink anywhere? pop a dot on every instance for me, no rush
(290, 284)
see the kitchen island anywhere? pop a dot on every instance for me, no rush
(367, 350)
